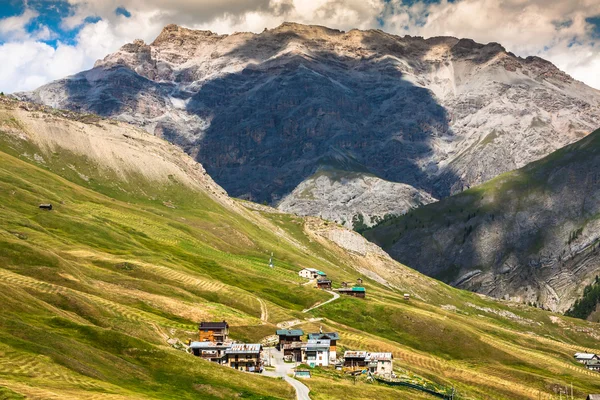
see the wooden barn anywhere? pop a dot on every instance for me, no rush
(356, 291)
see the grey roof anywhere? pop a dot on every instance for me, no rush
(213, 325)
(585, 356)
(208, 345)
(593, 397)
(316, 345)
(355, 354)
(290, 332)
(244, 348)
(379, 357)
(324, 335)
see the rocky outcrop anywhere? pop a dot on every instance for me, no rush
(531, 235)
(264, 112)
(356, 200)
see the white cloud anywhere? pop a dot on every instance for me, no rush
(525, 27)
(13, 28)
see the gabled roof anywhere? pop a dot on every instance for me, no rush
(585, 356)
(208, 345)
(321, 273)
(353, 289)
(244, 348)
(316, 271)
(325, 335)
(213, 325)
(289, 332)
(355, 354)
(379, 357)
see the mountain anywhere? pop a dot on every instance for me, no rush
(343, 196)
(266, 112)
(531, 235)
(98, 294)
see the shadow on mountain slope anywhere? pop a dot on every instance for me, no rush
(531, 234)
(276, 122)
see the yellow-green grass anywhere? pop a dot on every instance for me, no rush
(90, 291)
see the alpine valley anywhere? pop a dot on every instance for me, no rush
(246, 181)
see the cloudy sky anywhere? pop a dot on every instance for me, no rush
(42, 40)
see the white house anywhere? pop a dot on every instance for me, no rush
(333, 337)
(586, 358)
(317, 352)
(380, 363)
(311, 273)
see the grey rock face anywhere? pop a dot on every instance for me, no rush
(353, 199)
(531, 235)
(264, 112)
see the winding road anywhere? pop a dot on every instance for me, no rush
(335, 297)
(282, 369)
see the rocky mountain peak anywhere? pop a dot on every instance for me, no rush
(173, 33)
(422, 118)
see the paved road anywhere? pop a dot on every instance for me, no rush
(282, 369)
(335, 297)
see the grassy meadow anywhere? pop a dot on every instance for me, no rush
(91, 291)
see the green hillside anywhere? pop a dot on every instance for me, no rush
(137, 252)
(530, 235)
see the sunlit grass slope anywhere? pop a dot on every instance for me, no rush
(141, 245)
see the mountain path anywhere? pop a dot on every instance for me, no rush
(335, 297)
(264, 311)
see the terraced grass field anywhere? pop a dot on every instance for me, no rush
(134, 254)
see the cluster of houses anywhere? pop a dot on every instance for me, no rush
(325, 283)
(214, 345)
(320, 350)
(591, 361)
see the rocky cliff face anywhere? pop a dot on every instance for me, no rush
(264, 112)
(531, 235)
(354, 199)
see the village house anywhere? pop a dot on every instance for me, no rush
(586, 358)
(312, 273)
(211, 351)
(214, 331)
(380, 363)
(593, 365)
(355, 359)
(317, 352)
(355, 291)
(324, 284)
(288, 336)
(333, 337)
(376, 363)
(245, 357)
(295, 351)
(593, 397)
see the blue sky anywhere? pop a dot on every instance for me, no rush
(42, 40)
